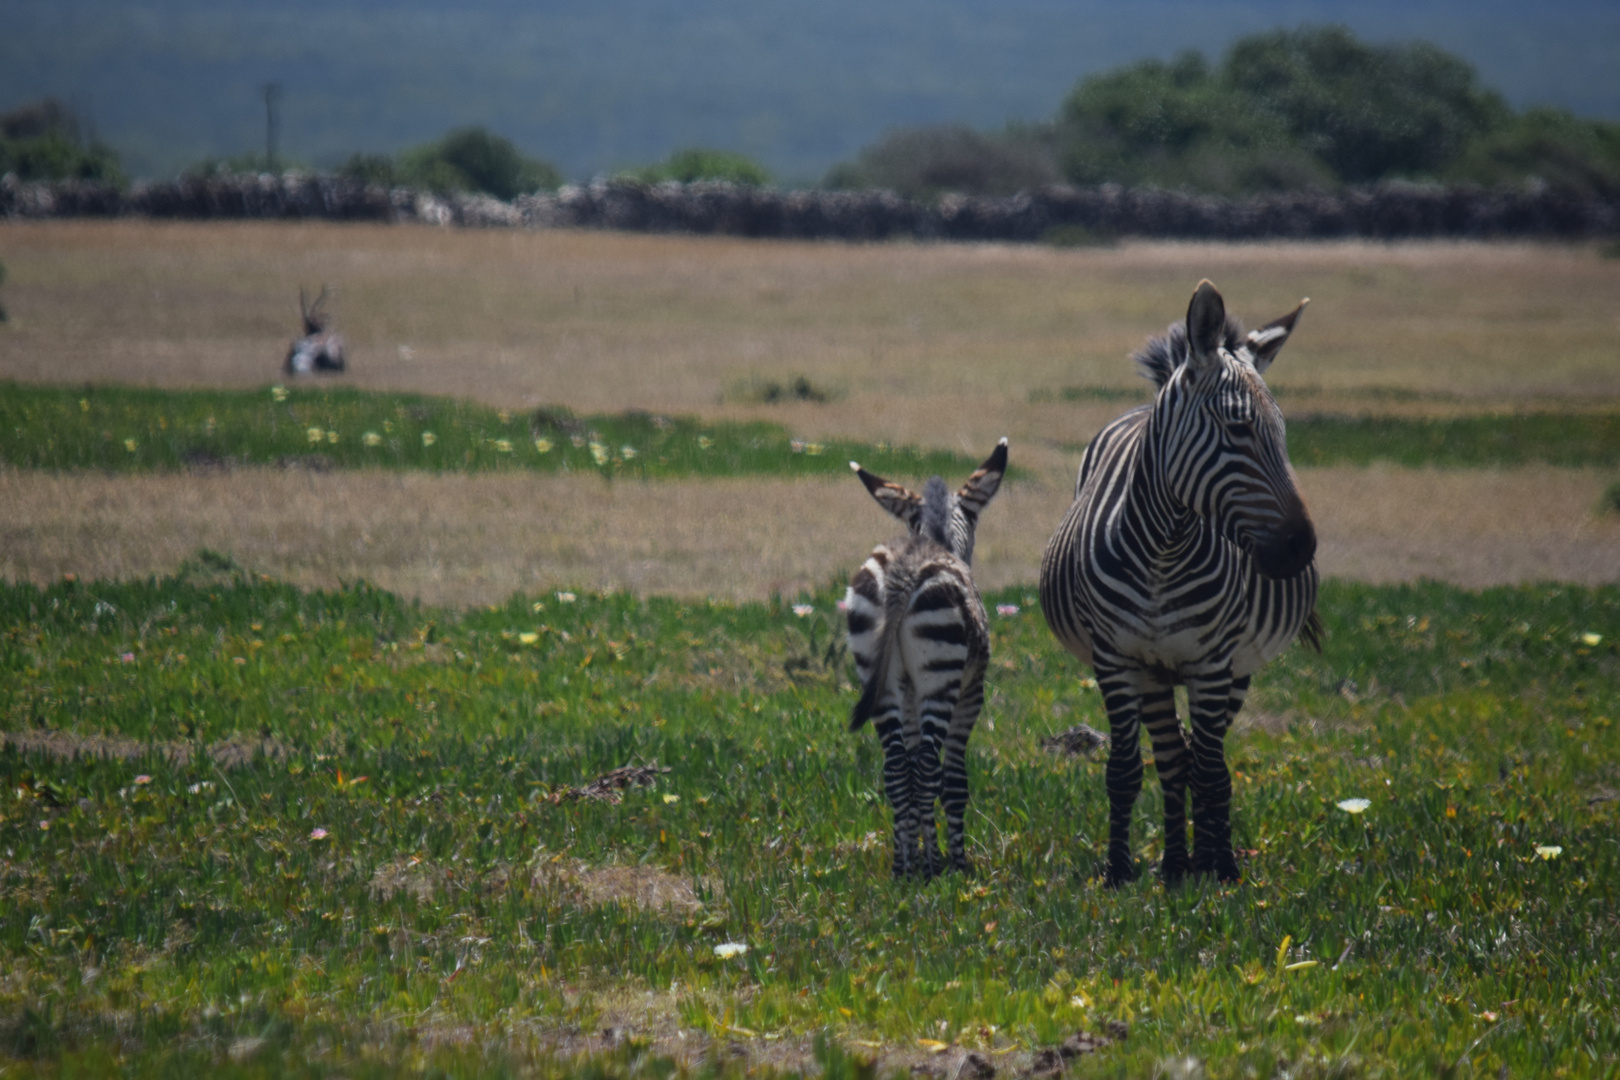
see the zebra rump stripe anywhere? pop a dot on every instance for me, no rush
(1185, 559)
(921, 642)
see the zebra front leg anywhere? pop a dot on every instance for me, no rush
(955, 797)
(898, 783)
(1212, 704)
(1121, 697)
(1170, 760)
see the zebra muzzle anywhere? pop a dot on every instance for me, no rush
(1286, 554)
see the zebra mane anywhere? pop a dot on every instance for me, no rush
(936, 512)
(1158, 359)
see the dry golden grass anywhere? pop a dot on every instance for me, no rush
(474, 540)
(934, 344)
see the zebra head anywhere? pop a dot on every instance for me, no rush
(1218, 433)
(949, 518)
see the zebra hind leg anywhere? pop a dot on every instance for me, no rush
(955, 794)
(1170, 759)
(1213, 703)
(898, 784)
(926, 793)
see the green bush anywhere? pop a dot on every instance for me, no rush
(1578, 156)
(1366, 111)
(689, 166)
(467, 159)
(1315, 107)
(41, 141)
(1178, 125)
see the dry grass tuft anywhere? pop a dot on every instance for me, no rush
(647, 887)
(230, 753)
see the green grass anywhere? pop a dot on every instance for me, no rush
(1484, 441)
(125, 429)
(156, 913)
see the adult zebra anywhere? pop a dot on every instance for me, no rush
(1185, 559)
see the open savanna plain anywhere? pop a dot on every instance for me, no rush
(482, 712)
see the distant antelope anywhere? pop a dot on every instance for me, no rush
(319, 349)
(921, 642)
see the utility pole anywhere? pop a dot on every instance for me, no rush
(272, 123)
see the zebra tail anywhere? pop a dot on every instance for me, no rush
(893, 616)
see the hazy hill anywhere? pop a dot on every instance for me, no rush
(596, 85)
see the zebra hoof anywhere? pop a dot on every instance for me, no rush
(1223, 867)
(1118, 875)
(1173, 871)
(962, 866)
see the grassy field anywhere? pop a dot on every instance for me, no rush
(254, 830)
(333, 803)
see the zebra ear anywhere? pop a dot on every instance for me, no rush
(982, 485)
(1206, 323)
(903, 504)
(1266, 342)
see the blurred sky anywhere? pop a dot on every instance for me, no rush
(598, 85)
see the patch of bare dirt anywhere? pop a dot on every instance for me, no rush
(467, 540)
(650, 888)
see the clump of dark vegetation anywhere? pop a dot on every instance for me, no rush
(469, 159)
(769, 391)
(1313, 107)
(698, 164)
(43, 141)
(924, 163)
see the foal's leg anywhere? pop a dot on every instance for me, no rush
(898, 778)
(955, 797)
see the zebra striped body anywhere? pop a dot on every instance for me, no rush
(1186, 559)
(921, 642)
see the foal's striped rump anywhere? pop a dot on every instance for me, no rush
(921, 642)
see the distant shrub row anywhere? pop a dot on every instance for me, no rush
(1312, 108)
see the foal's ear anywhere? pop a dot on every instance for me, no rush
(1266, 342)
(981, 487)
(901, 502)
(1206, 324)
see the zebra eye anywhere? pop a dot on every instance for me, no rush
(1239, 429)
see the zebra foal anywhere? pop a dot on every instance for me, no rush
(918, 631)
(1186, 558)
